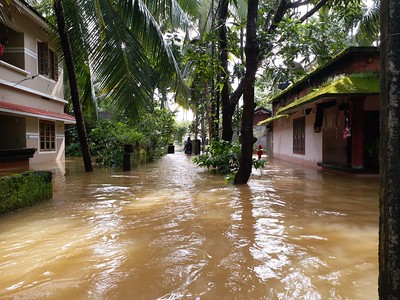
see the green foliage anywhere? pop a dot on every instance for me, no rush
(73, 147)
(357, 83)
(310, 43)
(108, 138)
(258, 163)
(21, 190)
(181, 128)
(158, 129)
(223, 157)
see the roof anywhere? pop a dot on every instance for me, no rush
(345, 85)
(33, 12)
(262, 110)
(36, 112)
(346, 56)
(273, 118)
(23, 8)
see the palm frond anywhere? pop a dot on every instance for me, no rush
(120, 64)
(79, 30)
(143, 24)
(369, 24)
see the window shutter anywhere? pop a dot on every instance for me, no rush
(43, 58)
(53, 65)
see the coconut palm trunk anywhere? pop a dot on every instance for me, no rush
(389, 202)
(227, 112)
(69, 62)
(247, 137)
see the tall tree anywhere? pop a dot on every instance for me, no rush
(275, 16)
(116, 43)
(252, 52)
(227, 131)
(389, 202)
(69, 62)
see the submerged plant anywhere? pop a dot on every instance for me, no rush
(223, 157)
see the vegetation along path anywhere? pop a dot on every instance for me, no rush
(170, 230)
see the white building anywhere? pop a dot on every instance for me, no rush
(32, 117)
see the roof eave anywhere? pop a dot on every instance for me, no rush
(339, 56)
(322, 96)
(33, 13)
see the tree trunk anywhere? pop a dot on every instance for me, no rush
(213, 112)
(209, 111)
(227, 113)
(229, 109)
(247, 138)
(389, 201)
(69, 62)
(227, 121)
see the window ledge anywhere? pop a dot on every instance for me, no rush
(14, 68)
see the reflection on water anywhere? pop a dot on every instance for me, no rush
(169, 230)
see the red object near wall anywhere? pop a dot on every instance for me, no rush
(259, 151)
(2, 48)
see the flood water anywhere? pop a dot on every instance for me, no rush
(170, 230)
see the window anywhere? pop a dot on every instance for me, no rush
(47, 136)
(47, 61)
(299, 135)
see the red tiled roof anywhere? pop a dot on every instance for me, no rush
(35, 112)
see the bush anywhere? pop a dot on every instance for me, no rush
(108, 138)
(224, 157)
(148, 139)
(21, 190)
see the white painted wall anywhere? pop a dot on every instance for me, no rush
(283, 140)
(32, 141)
(21, 85)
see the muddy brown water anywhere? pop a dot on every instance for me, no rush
(170, 230)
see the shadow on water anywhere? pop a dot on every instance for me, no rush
(169, 230)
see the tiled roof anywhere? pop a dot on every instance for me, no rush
(35, 112)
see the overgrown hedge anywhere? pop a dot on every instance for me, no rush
(148, 138)
(25, 189)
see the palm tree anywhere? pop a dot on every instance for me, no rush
(116, 43)
(120, 43)
(369, 26)
(69, 61)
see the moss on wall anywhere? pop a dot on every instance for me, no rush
(25, 189)
(344, 85)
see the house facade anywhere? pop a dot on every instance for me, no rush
(330, 118)
(32, 117)
(262, 132)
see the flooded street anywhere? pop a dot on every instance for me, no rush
(171, 230)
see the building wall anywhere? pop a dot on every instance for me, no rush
(260, 133)
(21, 84)
(327, 146)
(22, 97)
(359, 64)
(283, 140)
(19, 63)
(32, 141)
